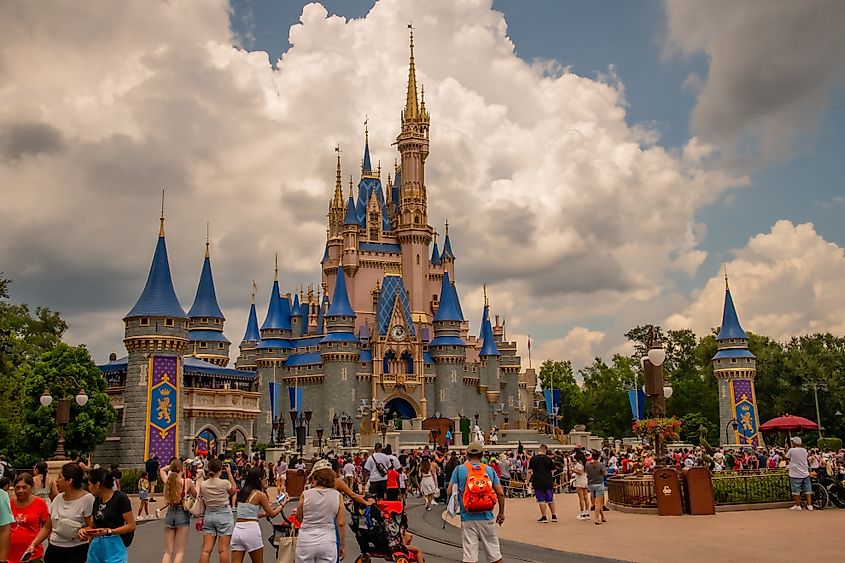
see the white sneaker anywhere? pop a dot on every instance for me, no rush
(809, 507)
(795, 507)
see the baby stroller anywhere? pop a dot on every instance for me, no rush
(287, 528)
(380, 531)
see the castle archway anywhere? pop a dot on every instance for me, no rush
(207, 442)
(402, 407)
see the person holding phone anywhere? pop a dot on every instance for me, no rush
(114, 520)
(218, 522)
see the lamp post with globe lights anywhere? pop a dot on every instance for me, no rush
(63, 412)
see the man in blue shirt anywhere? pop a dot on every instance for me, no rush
(477, 528)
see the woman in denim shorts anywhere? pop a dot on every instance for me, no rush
(217, 521)
(177, 519)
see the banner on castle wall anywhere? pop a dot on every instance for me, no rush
(295, 398)
(163, 408)
(745, 412)
(275, 399)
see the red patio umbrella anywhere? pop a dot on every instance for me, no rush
(788, 422)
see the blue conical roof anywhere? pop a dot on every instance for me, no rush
(278, 313)
(340, 306)
(457, 301)
(351, 217)
(205, 302)
(488, 348)
(730, 328)
(252, 334)
(295, 310)
(367, 166)
(435, 255)
(158, 298)
(448, 309)
(447, 249)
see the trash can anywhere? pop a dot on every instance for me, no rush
(667, 488)
(295, 482)
(698, 487)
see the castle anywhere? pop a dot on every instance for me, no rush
(383, 337)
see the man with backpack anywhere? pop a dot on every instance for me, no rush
(375, 469)
(478, 491)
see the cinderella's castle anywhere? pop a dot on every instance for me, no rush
(383, 335)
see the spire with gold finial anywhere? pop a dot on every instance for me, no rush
(276, 267)
(161, 219)
(337, 201)
(411, 109)
(207, 238)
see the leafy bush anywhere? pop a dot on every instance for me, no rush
(739, 488)
(832, 444)
(129, 480)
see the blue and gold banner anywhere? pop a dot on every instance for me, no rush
(163, 408)
(745, 412)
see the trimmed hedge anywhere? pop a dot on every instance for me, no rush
(832, 444)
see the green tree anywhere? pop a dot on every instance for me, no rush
(604, 398)
(558, 375)
(691, 428)
(63, 371)
(28, 336)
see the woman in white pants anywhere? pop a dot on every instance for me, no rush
(322, 533)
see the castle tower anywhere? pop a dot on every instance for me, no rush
(272, 352)
(448, 350)
(207, 341)
(249, 343)
(349, 260)
(296, 320)
(413, 231)
(340, 354)
(156, 337)
(490, 359)
(735, 368)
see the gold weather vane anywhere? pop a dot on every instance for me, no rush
(350, 186)
(207, 238)
(254, 291)
(486, 302)
(277, 267)
(725, 265)
(161, 219)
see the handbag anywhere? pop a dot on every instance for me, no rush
(286, 546)
(67, 529)
(197, 507)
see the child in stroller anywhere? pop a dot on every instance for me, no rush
(382, 533)
(288, 528)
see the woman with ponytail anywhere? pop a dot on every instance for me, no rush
(177, 519)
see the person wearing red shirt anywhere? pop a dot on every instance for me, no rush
(392, 484)
(31, 513)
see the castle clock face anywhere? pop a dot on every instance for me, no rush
(397, 332)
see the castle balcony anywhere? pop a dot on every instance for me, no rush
(220, 403)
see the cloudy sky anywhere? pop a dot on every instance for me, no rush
(598, 161)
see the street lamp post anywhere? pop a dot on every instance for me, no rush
(815, 386)
(732, 422)
(320, 439)
(63, 413)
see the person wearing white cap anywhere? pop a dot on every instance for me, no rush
(799, 474)
(322, 534)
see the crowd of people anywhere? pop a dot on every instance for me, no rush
(82, 515)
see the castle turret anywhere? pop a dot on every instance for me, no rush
(206, 337)
(735, 368)
(340, 353)
(350, 235)
(413, 231)
(448, 351)
(490, 359)
(249, 344)
(156, 337)
(296, 319)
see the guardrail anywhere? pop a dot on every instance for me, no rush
(632, 491)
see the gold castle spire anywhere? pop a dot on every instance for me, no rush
(411, 108)
(727, 287)
(207, 227)
(338, 183)
(254, 291)
(276, 267)
(350, 187)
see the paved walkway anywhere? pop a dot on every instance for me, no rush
(757, 535)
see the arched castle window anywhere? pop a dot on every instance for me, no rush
(388, 360)
(409, 362)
